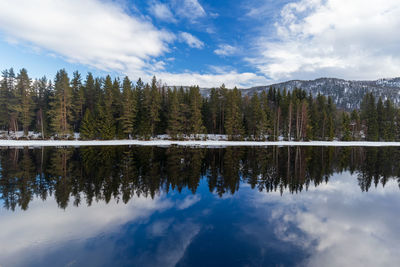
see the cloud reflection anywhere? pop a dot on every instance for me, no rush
(338, 224)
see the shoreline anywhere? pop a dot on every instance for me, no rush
(199, 143)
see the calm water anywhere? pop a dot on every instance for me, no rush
(152, 206)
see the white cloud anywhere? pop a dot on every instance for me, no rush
(230, 79)
(347, 39)
(162, 12)
(93, 32)
(189, 9)
(191, 40)
(225, 50)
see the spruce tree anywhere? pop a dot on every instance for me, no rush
(380, 118)
(25, 105)
(257, 121)
(233, 119)
(88, 126)
(195, 120)
(5, 96)
(372, 119)
(174, 115)
(346, 132)
(129, 108)
(154, 106)
(90, 93)
(78, 100)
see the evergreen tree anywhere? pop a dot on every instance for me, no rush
(88, 127)
(380, 118)
(5, 96)
(257, 121)
(128, 108)
(61, 106)
(153, 106)
(346, 127)
(389, 127)
(174, 115)
(355, 124)
(105, 124)
(90, 93)
(78, 100)
(233, 119)
(24, 107)
(42, 101)
(195, 120)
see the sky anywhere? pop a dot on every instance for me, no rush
(239, 43)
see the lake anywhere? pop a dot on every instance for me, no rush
(182, 206)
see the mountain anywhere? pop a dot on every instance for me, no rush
(346, 94)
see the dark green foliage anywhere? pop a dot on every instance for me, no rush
(175, 119)
(61, 105)
(129, 109)
(106, 109)
(88, 127)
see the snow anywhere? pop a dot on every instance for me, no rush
(208, 143)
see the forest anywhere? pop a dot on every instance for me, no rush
(101, 108)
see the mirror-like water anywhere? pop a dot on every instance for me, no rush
(152, 206)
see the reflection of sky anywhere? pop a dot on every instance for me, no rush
(334, 224)
(338, 224)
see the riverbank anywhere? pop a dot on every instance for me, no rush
(198, 143)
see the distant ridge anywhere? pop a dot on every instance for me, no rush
(346, 94)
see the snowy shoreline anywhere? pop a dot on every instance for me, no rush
(208, 143)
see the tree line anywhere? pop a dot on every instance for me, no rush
(106, 108)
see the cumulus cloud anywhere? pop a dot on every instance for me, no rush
(225, 50)
(348, 39)
(191, 40)
(95, 33)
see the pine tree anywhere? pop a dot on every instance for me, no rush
(61, 106)
(389, 127)
(195, 120)
(5, 96)
(380, 119)
(105, 124)
(24, 107)
(257, 121)
(233, 119)
(90, 93)
(372, 119)
(129, 110)
(88, 126)
(78, 100)
(174, 116)
(355, 124)
(42, 97)
(346, 132)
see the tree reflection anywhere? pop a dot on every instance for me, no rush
(90, 174)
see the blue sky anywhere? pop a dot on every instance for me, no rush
(185, 42)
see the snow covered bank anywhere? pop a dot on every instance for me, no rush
(208, 143)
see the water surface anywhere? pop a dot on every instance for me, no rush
(177, 206)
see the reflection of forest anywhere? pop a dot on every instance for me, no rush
(102, 173)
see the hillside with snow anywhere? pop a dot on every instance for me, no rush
(346, 94)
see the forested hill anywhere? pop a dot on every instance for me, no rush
(345, 94)
(106, 108)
